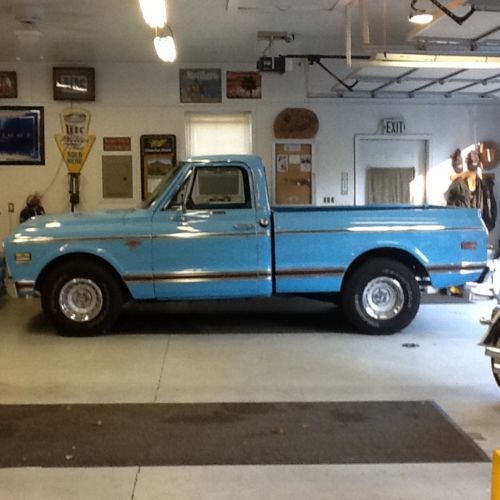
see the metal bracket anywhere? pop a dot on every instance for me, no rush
(458, 19)
(316, 59)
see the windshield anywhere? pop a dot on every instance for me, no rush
(152, 199)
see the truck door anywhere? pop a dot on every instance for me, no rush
(207, 241)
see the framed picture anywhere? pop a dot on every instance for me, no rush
(8, 84)
(22, 140)
(243, 85)
(200, 85)
(158, 157)
(74, 84)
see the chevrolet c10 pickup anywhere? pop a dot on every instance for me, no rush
(208, 232)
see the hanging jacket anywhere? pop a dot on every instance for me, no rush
(460, 195)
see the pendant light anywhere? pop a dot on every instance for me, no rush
(165, 47)
(154, 12)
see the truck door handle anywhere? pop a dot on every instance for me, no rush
(244, 227)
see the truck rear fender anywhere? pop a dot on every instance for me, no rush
(79, 257)
(402, 256)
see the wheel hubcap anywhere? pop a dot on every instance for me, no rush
(383, 298)
(80, 300)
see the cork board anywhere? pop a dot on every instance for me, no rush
(293, 173)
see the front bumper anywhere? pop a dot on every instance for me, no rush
(17, 289)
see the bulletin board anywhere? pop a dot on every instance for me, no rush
(293, 173)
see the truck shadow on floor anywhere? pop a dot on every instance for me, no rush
(250, 316)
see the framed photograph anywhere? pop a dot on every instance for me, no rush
(22, 140)
(8, 84)
(243, 85)
(74, 84)
(158, 157)
(200, 85)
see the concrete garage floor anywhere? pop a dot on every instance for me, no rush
(279, 350)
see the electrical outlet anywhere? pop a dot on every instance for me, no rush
(10, 206)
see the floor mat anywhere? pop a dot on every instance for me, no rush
(231, 434)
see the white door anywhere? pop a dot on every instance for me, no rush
(391, 152)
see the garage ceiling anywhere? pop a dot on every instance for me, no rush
(225, 32)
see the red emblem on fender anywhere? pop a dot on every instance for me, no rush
(133, 244)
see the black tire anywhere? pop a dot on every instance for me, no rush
(495, 375)
(381, 296)
(81, 299)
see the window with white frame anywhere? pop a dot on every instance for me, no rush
(210, 134)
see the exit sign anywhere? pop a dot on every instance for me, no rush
(393, 127)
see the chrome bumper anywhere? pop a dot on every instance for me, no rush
(20, 288)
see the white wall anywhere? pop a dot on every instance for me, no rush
(136, 99)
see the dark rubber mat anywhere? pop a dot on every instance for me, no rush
(231, 434)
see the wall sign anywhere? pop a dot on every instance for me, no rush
(8, 84)
(75, 142)
(158, 157)
(21, 135)
(200, 85)
(393, 127)
(116, 143)
(74, 84)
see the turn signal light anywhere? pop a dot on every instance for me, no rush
(469, 245)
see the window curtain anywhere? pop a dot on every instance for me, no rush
(388, 185)
(209, 134)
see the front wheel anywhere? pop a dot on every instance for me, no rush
(381, 296)
(81, 299)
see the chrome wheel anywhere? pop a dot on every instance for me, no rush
(383, 298)
(80, 300)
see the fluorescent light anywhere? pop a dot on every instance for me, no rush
(165, 48)
(435, 61)
(420, 18)
(154, 12)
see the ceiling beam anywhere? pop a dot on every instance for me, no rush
(441, 81)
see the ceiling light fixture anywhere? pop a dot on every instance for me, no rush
(154, 12)
(165, 47)
(404, 60)
(419, 16)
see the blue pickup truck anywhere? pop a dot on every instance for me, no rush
(208, 232)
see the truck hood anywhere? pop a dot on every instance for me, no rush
(71, 225)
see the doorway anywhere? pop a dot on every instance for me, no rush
(405, 157)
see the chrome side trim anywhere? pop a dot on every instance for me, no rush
(48, 239)
(175, 236)
(457, 268)
(197, 277)
(193, 235)
(308, 273)
(377, 229)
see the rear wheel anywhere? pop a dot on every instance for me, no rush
(381, 296)
(496, 376)
(81, 299)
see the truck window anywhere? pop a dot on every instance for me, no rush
(219, 187)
